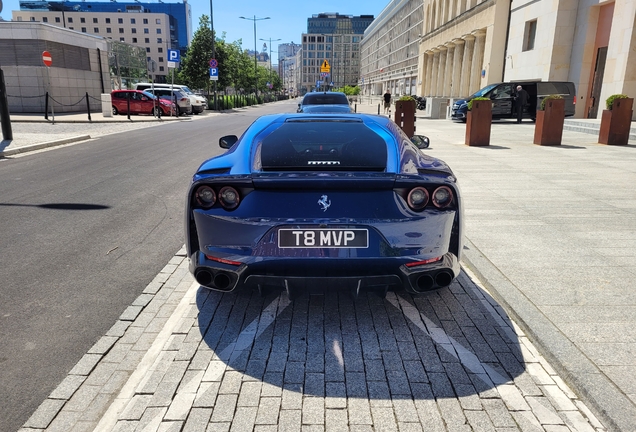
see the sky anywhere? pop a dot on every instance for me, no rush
(288, 18)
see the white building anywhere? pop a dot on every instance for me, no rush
(589, 42)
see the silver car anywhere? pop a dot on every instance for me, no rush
(181, 98)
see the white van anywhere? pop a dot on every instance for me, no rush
(199, 103)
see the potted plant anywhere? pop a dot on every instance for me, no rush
(616, 120)
(548, 129)
(404, 115)
(478, 121)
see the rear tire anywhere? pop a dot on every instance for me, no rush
(115, 112)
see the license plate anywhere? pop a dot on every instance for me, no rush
(323, 238)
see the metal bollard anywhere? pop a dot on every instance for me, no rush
(88, 107)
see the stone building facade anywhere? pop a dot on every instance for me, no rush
(389, 50)
(591, 43)
(462, 47)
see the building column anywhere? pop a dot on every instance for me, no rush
(478, 60)
(429, 72)
(434, 72)
(467, 65)
(457, 68)
(450, 56)
(441, 77)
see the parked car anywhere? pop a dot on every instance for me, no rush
(182, 99)
(140, 103)
(502, 96)
(198, 103)
(317, 102)
(302, 199)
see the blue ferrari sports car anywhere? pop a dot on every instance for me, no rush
(330, 199)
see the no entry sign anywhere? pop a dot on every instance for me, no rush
(46, 58)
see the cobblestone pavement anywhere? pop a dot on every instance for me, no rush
(182, 358)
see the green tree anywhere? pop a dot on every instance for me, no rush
(195, 67)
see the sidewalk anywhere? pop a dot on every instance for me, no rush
(551, 232)
(69, 128)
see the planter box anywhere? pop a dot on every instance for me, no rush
(548, 129)
(404, 116)
(615, 123)
(478, 122)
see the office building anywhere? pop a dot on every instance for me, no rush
(332, 40)
(156, 27)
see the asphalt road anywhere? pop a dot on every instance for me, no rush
(84, 228)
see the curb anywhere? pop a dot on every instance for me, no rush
(39, 146)
(591, 384)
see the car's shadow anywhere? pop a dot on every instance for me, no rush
(450, 343)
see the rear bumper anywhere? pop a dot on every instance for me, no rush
(321, 272)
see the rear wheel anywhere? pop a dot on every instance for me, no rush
(115, 111)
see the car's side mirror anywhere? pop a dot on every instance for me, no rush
(227, 141)
(420, 141)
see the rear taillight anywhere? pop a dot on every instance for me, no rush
(574, 101)
(205, 196)
(229, 197)
(442, 197)
(417, 198)
(184, 99)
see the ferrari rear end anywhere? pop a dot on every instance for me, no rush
(325, 203)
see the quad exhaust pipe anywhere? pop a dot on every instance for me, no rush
(219, 280)
(430, 281)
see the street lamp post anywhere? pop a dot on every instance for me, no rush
(255, 52)
(213, 53)
(270, 55)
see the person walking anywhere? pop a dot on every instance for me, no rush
(521, 99)
(387, 101)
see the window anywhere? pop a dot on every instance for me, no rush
(147, 40)
(145, 20)
(121, 30)
(134, 40)
(70, 20)
(146, 31)
(160, 59)
(160, 49)
(134, 30)
(71, 28)
(83, 20)
(108, 30)
(57, 19)
(158, 21)
(529, 34)
(45, 19)
(120, 20)
(83, 29)
(32, 19)
(95, 20)
(160, 68)
(147, 49)
(121, 39)
(107, 20)
(159, 40)
(132, 21)
(96, 30)
(158, 31)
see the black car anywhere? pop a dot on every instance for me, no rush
(326, 199)
(318, 102)
(503, 104)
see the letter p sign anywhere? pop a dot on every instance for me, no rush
(174, 55)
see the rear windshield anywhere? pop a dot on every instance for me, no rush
(323, 146)
(325, 99)
(547, 88)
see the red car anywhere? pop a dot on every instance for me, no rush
(141, 102)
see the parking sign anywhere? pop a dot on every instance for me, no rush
(174, 55)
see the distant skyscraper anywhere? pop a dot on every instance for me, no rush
(332, 40)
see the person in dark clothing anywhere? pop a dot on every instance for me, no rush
(387, 101)
(521, 99)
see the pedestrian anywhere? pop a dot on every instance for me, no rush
(521, 99)
(387, 101)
